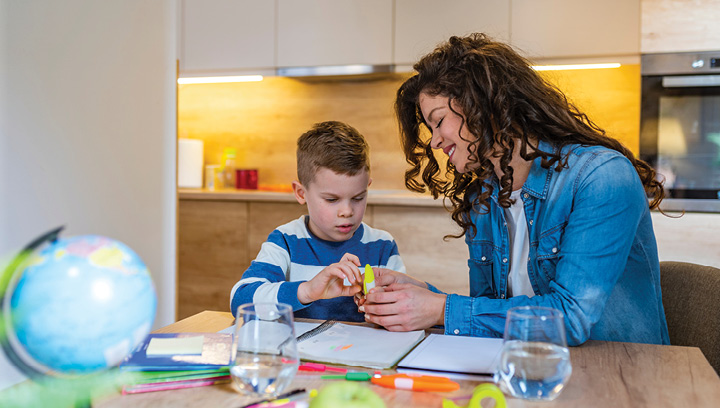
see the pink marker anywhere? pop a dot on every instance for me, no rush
(320, 367)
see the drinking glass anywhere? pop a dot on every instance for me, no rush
(535, 361)
(266, 357)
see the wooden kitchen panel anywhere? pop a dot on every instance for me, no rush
(264, 217)
(419, 233)
(263, 121)
(212, 253)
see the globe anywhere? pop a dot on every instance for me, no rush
(75, 305)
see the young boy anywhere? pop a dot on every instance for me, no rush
(305, 262)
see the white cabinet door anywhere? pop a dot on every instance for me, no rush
(227, 36)
(576, 28)
(680, 25)
(334, 32)
(420, 25)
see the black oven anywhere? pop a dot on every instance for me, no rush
(680, 123)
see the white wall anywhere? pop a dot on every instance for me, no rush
(88, 127)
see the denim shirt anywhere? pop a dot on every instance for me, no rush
(593, 254)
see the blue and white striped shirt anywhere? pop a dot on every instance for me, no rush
(292, 255)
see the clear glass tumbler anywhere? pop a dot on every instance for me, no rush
(266, 357)
(535, 361)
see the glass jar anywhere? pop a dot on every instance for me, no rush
(229, 167)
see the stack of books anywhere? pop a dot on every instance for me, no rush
(167, 361)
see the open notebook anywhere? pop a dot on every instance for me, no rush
(453, 356)
(353, 345)
(357, 345)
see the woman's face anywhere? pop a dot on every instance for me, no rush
(445, 126)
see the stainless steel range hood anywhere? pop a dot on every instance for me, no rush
(334, 70)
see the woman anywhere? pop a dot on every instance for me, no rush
(554, 212)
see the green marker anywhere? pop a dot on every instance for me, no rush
(348, 377)
(369, 282)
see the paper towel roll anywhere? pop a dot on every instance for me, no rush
(190, 163)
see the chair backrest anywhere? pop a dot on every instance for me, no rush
(691, 298)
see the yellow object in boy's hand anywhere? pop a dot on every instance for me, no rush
(369, 281)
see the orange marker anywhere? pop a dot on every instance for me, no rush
(416, 382)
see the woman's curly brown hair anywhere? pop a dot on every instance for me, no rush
(504, 103)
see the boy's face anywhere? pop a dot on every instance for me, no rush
(336, 203)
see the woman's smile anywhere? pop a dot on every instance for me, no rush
(447, 127)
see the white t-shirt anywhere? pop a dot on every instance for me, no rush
(518, 279)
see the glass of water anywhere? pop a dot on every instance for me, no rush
(266, 357)
(535, 361)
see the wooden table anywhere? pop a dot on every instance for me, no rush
(605, 374)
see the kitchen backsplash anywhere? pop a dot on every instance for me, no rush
(264, 119)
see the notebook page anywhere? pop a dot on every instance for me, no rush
(359, 346)
(459, 354)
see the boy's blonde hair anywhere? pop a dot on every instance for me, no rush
(333, 145)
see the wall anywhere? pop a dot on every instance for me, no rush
(264, 119)
(88, 130)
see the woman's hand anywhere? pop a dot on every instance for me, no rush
(404, 307)
(385, 277)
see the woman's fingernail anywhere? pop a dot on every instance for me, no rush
(361, 309)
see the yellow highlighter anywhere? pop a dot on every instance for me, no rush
(369, 281)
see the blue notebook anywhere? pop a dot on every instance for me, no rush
(216, 353)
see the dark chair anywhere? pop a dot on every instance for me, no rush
(691, 298)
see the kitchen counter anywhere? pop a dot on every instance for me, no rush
(375, 197)
(403, 198)
(688, 205)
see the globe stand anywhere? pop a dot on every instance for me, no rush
(28, 370)
(77, 390)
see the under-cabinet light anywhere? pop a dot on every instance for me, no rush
(219, 79)
(574, 66)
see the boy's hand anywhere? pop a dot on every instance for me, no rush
(328, 283)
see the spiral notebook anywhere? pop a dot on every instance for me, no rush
(347, 344)
(356, 345)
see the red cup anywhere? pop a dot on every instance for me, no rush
(247, 179)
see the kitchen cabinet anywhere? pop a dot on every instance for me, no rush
(221, 235)
(334, 32)
(217, 240)
(420, 25)
(258, 36)
(212, 253)
(575, 28)
(679, 25)
(227, 36)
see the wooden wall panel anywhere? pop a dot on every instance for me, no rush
(264, 119)
(212, 253)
